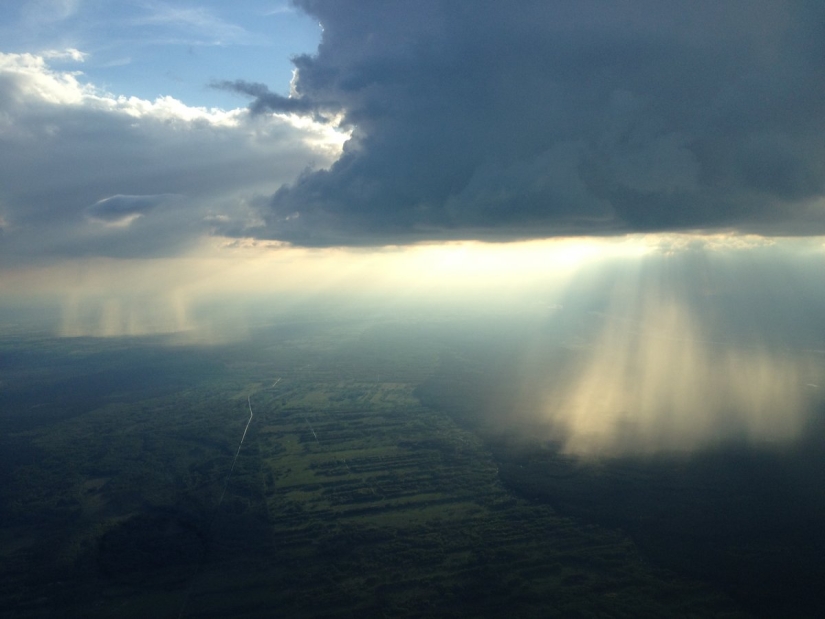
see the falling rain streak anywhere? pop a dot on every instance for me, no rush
(681, 351)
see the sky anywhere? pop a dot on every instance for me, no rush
(157, 156)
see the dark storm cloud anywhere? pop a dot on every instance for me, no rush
(264, 99)
(513, 120)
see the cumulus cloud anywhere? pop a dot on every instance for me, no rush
(158, 173)
(501, 121)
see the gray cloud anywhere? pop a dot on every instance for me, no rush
(496, 120)
(266, 100)
(122, 210)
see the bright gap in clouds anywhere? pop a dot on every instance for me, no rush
(639, 344)
(442, 272)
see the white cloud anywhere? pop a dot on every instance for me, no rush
(27, 77)
(30, 80)
(66, 145)
(65, 54)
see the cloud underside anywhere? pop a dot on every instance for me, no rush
(494, 121)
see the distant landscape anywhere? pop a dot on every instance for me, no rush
(369, 484)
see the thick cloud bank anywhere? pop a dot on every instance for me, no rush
(495, 120)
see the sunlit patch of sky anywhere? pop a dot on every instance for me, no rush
(642, 344)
